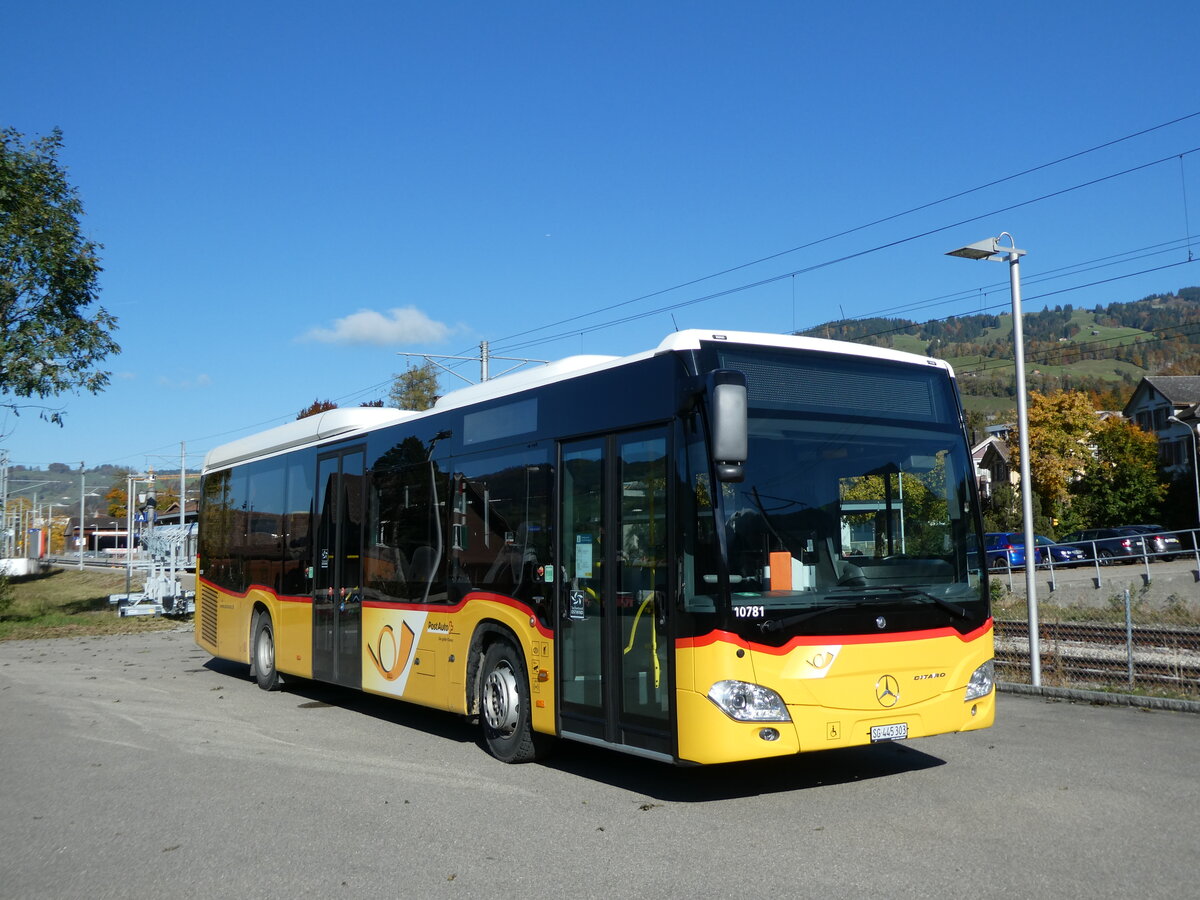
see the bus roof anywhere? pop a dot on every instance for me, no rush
(328, 424)
(339, 422)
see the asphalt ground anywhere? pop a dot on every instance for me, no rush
(137, 766)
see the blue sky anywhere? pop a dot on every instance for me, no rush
(289, 194)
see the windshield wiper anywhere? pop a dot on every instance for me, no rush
(953, 608)
(778, 624)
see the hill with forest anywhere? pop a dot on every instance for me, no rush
(1104, 351)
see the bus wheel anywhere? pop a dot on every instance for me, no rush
(264, 653)
(504, 702)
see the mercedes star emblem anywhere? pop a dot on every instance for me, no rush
(887, 691)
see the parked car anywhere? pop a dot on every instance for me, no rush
(1006, 550)
(1107, 545)
(1058, 554)
(1164, 544)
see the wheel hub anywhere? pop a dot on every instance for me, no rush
(266, 652)
(501, 701)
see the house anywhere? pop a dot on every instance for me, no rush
(1154, 401)
(170, 515)
(992, 465)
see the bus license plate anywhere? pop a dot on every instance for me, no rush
(897, 732)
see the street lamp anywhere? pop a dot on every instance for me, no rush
(992, 249)
(1195, 459)
(82, 500)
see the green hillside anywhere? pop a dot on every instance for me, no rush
(1105, 350)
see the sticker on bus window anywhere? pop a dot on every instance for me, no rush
(577, 603)
(583, 556)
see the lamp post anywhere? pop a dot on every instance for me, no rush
(992, 249)
(82, 499)
(1195, 459)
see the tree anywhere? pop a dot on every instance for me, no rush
(49, 341)
(1003, 510)
(976, 426)
(1120, 484)
(415, 388)
(1060, 428)
(317, 406)
(117, 499)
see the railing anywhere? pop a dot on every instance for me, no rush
(1127, 629)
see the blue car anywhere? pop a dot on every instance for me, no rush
(1006, 550)
(1058, 554)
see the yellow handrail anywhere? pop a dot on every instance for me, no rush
(649, 601)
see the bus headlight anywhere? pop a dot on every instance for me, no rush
(747, 702)
(982, 681)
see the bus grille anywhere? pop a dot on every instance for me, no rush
(207, 614)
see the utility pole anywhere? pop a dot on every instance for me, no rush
(484, 359)
(182, 481)
(4, 551)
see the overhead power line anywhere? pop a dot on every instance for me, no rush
(840, 259)
(880, 221)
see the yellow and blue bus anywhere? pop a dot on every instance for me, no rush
(731, 547)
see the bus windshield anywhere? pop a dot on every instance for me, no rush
(856, 512)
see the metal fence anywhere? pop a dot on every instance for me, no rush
(1103, 625)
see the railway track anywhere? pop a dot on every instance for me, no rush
(1100, 653)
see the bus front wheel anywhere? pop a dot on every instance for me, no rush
(265, 672)
(505, 706)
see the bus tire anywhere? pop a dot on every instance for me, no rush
(504, 706)
(263, 650)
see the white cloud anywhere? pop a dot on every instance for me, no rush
(407, 325)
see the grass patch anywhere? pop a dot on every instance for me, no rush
(1173, 613)
(70, 603)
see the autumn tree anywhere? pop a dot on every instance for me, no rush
(317, 406)
(117, 499)
(416, 388)
(166, 497)
(1060, 429)
(1120, 483)
(50, 340)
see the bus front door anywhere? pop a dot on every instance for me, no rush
(337, 568)
(615, 665)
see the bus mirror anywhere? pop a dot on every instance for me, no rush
(727, 389)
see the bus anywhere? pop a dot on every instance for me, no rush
(734, 546)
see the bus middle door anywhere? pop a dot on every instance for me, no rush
(337, 575)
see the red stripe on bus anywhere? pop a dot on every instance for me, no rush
(283, 598)
(818, 640)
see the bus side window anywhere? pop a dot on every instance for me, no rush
(502, 513)
(404, 536)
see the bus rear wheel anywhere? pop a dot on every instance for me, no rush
(504, 706)
(263, 646)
